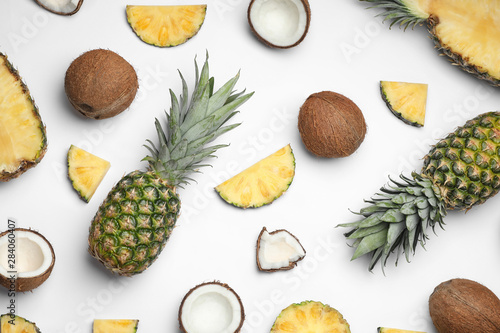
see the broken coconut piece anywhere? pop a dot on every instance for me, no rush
(211, 307)
(115, 325)
(279, 23)
(278, 251)
(61, 7)
(34, 259)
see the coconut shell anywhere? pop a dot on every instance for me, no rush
(100, 84)
(464, 306)
(29, 283)
(307, 9)
(181, 307)
(331, 125)
(74, 11)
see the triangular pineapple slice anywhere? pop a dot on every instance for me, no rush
(23, 140)
(15, 324)
(166, 26)
(115, 325)
(310, 316)
(261, 183)
(395, 330)
(406, 100)
(85, 171)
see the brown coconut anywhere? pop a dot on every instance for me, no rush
(464, 306)
(100, 84)
(22, 284)
(331, 125)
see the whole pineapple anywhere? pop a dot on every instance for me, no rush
(467, 31)
(135, 220)
(460, 171)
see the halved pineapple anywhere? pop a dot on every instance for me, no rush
(23, 140)
(262, 183)
(395, 330)
(16, 324)
(310, 316)
(85, 171)
(407, 101)
(166, 26)
(115, 325)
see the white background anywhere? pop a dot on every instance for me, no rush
(348, 50)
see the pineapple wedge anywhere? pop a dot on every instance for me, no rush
(16, 324)
(261, 183)
(115, 325)
(407, 101)
(166, 26)
(86, 171)
(395, 330)
(310, 316)
(23, 140)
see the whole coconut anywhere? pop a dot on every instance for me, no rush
(100, 84)
(464, 306)
(331, 125)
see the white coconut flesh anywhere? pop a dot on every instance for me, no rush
(32, 254)
(211, 308)
(280, 22)
(60, 6)
(278, 250)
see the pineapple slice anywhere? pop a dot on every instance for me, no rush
(395, 330)
(23, 140)
(115, 325)
(310, 316)
(16, 324)
(85, 171)
(166, 26)
(262, 183)
(407, 101)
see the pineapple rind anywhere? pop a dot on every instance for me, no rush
(86, 171)
(115, 325)
(16, 325)
(310, 316)
(167, 25)
(460, 171)
(261, 183)
(134, 222)
(405, 100)
(20, 151)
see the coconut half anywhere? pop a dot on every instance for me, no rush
(211, 307)
(279, 23)
(26, 259)
(61, 7)
(278, 250)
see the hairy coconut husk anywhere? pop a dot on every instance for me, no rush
(464, 306)
(100, 84)
(331, 125)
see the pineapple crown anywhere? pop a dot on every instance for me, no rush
(402, 12)
(191, 125)
(397, 219)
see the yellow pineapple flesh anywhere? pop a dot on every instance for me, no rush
(115, 325)
(261, 183)
(310, 316)
(406, 100)
(23, 140)
(166, 26)
(395, 330)
(16, 324)
(86, 171)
